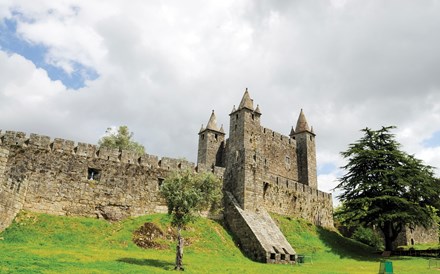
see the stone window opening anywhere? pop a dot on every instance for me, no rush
(203, 136)
(283, 257)
(412, 241)
(160, 182)
(253, 116)
(93, 174)
(265, 188)
(292, 257)
(272, 256)
(216, 136)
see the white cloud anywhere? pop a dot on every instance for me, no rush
(164, 65)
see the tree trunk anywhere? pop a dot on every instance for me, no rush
(179, 251)
(388, 244)
(390, 234)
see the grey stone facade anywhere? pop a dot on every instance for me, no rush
(266, 172)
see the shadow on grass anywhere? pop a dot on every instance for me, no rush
(150, 262)
(348, 248)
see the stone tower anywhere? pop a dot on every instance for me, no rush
(211, 144)
(243, 160)
(306, 151)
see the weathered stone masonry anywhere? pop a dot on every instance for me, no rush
(263, 171)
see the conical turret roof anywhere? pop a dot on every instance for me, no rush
(301, 124)
(212, 123)
(257, 109)
(246, 101)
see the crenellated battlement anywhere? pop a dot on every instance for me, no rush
(269, 134)
(37, 141)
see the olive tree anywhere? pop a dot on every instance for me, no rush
(187, 194)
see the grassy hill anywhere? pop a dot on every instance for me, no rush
(40, 243)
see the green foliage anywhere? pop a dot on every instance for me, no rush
(369, 237)
(386, 187)
(121, 139)
(187, 193)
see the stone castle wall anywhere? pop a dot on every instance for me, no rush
(279, 154)
(54, 176)
(290, 198)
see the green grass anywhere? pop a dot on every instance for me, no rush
(40, 243)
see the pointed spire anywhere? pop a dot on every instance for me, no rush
(202, 129)
(311, 129)
(246, 101)
(212, 123)
(221, 129)
(257, 109)
(301, 124)
(233, 109)
(292, 132)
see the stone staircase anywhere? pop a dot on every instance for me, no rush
(257, 234)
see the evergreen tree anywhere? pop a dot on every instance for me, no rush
(385, 187)
(121, 139)
(187, 193)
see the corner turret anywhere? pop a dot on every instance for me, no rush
(306, 151)
(211, 143)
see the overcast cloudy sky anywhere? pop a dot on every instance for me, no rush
(70, 69)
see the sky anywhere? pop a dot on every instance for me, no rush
(71, 69)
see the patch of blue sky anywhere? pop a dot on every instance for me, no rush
(11, 42)
(433, 141)
(326, 168)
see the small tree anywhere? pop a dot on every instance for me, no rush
(385, 187)
(120, 139)
(187, 193)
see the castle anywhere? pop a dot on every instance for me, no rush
(263, 172)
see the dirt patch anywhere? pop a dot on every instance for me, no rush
(147, 235)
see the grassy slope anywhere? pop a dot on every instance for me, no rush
(39, 243)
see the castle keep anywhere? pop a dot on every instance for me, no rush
(263, 172)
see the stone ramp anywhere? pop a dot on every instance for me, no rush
(257, 234)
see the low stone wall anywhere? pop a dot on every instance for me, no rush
(418, 235)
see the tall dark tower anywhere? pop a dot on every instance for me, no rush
(211, 144)
(243, 175)
(306, 152)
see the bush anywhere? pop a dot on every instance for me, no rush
(369, 237)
